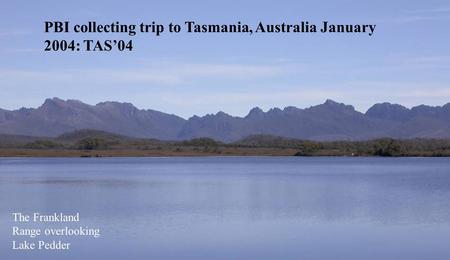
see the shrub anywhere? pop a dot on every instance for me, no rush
(90, 144)
(43, 144)
(387, 147)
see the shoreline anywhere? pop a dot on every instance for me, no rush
(225, 152)
(142, 153)
(93, 143)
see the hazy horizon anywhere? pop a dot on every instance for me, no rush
(406, 61)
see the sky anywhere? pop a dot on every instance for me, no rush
(406, 61)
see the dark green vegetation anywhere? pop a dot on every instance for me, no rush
(376, 147)
(99, 143)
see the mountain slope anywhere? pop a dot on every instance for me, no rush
(327, 121)
(57, 116)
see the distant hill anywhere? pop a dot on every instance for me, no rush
(7, 140)
(57, 116)
(327, 121)
(269, 141)
(90, 133)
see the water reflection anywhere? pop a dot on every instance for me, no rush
(220, 204)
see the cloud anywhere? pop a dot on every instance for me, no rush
(360, 94)
(292, 96)
(442, 9)
(429, 93)
(161, 74)
(20, 51)
(418, 63)
(4, 33)
(426, 14)
(420, 18)
(197, 88)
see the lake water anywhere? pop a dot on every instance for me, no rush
(234, 207)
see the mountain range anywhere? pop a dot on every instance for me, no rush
(327, 121)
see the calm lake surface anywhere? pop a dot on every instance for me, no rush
(234, 207)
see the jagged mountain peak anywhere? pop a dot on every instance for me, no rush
(57, 116)
(255, 112)
(328, 121)
(115, 104)
(274, 110)
(58, 103)
(386, 106)
(333, 106)
(389, 111)
(331, 102)
(291, 109)
(222, 114)
(53, 102)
